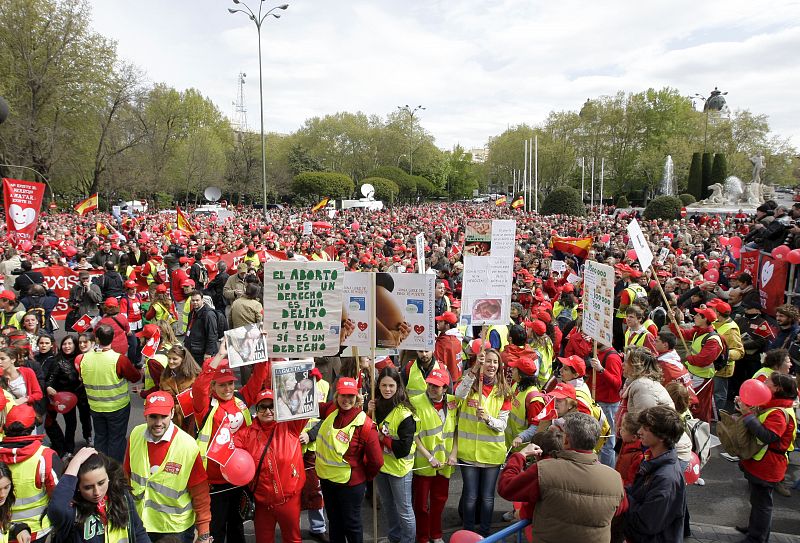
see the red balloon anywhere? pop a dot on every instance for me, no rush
(754, 393)
(714, 264)
(692, 471)
(465, 536)
(605, 238)
(69, 251)
(26, 245)
(711, 275)
(793, 257)
(355, 226)
(724, 241)
(240, 468)
(780, 252)
(736, 242)
(631, 254)
(64, 402)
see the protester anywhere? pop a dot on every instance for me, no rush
(64, 378)
(202, 335)
(178, 378)
(10, 530)
(118, 323)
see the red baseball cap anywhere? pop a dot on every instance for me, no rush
(568, 287)
(563, 390)
(448, 317)
(130, 284)
(148, 331)
(23, 413)
(438, 377)
(224, 374)
(709, 314)
(575, 362)
(539, 328)
(187, 283)
(346, 385)
(8, 295)
(162, 288)
(264, 395)
(525, 364)
(159, 403)
(111, 302)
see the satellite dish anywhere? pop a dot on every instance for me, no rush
(212, 194)
(368, 191)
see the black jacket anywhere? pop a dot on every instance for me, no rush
(657, 501)
(202, 336)
(111, 284)
(214, 289)
(26, 279)
(63, 377)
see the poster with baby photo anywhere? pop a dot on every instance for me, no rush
(404, 311)
(246, 345)
(294, 387)
(357, 299)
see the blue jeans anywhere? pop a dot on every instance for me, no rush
(720, 393)
(316, 521)
(111, 432)
(397, 507)
(607, 455)
(478, 491)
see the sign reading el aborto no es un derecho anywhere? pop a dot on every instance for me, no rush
(303, 308)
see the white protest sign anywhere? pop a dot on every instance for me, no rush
(246, 345)
(357, 299)
(404, 311)
(307, 228)
(295, 390)
(420, 241)
(598, 302)
(640, 245)
(303, 307)
(558, 266)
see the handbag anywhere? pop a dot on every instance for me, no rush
(247, 503)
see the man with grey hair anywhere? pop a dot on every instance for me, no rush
(572, 481)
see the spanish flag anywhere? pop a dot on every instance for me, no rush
(87, 205)
(574, 246)
(518, 202)
(322, 203)
(102, 229)
(183, 222)
(500, 201)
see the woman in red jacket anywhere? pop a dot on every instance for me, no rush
(20, 381)
(280, 476)
(775, 426)
(348, 455)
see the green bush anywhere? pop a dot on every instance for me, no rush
(622, 202)
(687, 199)
(663, 207)
(323, 184)
(719, 170)
(563, 201)
(708, 159)
(406, 184)
(695, 186)
(385, 189)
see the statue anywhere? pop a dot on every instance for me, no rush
(759, 164)
(717, 197)
(751, 194)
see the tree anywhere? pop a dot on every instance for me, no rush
(406, 184)
(323, 184)
(696, 176)
(385, 189)
(707, 164)
(719, 169)
(687, 199)
(564, 201)
(622, 202)
(663, 207)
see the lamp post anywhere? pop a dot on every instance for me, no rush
(46, 182)
(411, 113)
(714, 102)
(258, 19)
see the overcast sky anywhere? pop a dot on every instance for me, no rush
(477, 66)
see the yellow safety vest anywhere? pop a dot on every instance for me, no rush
(476, 441)
(502, 331)
(14, 320)
(107, 392)
(31, 502)
(435, 434)
(763, 416)
(518, 417)
(162, 497)
(161, 358)
(398, 467)
(163, 314)
(416, 381)
(635, 290)
(723, 329)
(559, 308)
(156, 268)
(635, 338)
(766, 372)
(9, 404)
(323, 387)
(584, 396)
(706, 372)
(204, 436)
(546, 354)
(254, 259)
(332, 443)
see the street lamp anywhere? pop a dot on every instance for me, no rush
(258, 19)
(411, 113)
(714, 102)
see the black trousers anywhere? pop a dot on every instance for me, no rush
(758, 528)
(343, 506)
(225, 518)
(111, 432)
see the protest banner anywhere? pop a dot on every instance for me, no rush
(303, 307)
(151, 345)
(246, 345)
(185, 402)
(640, 245)
(420, 243)
(294, 388)
(771, 281)
(404, 311)
(357, 297)
(221, 447)
(486, 289)
(598, 302)
(558, 266)
(308, 229)
(23, 202)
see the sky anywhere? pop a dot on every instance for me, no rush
(477, 67)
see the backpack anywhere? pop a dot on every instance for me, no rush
(722, 360)
(222, 322)
(700, 433)
(202, 275)
(734, 436)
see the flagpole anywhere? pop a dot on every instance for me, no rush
(525, 175)
(591, 198)
(602, 171)
(536, 173)
(583, 173)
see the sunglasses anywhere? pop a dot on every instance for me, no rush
(263, 408)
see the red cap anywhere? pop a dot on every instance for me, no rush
(525, 364)
(575, 362)
(707, 313)
(153, 251)
(475, 346)
(130, 284)
(148, 331)
(539, 328)
(224, 374)
(161, 289)
(635, 273)
(23, 413)
(722, 308)
(8, 295)
(111, 302)
(563, 390)
(544, 316)
(438, 377)
(569, 287)
(159, 403)
(187, 283)
(383, 362)
(183, 260)
(346, 385)
(447, 316)
(264, 395)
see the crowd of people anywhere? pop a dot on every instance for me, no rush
(532, 410)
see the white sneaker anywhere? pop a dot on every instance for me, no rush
(440, 540)
(700, 482)
(729, 457)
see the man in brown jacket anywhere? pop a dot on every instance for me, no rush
(573, 496)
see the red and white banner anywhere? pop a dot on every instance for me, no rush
(23, 203)
(221, 447)
(749, 264)
(772, 282)
(185, 402)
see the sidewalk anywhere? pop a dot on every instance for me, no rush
(706, 533)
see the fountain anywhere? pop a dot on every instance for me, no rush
(667, 186)
(733, 188)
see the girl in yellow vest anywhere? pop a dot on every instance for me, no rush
(92, 504)
(481, 443)
(9, 531)
(397, 426)
(178, 377)
(776, 360)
